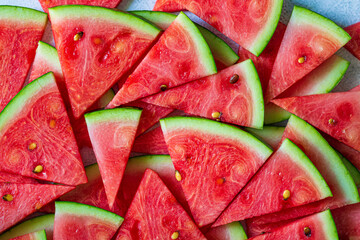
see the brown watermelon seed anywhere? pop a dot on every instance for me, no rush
(32, 146)
(216, 115)
(38, 169)
(52, 123)
(175, 235)
(234, 79)
(178, 175)
(286, 195)
(307, 231)
(163, 87)
(220, 181)
(332, 121)
(301, 60)
(78, 36)
(8, 197)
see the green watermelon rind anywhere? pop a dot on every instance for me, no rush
(219, 48)
(236, 231)
(334, 161)
(303, 16)
(22, 14)
(328, 224)
(216, 128)
(141, 162)
(73, 12)
(49, 53)
(266, 133)
(40, 235)
(354, 172)
(79, 209)
(113, 115)
(29, 226)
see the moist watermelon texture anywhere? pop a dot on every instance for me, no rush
(309, 40)
(97, 45)
(46, 4)
(181, 55)
(321, 80)
(347, 221)
(112, 133)
(80, 221)
(337, 114)
(233, 95)
(231, 231)
(291, 180)
(43, 222)
(156, 214)
(353, 45)
(36, 138)
(251, 23)
(151, 142)
(223, 54)
(20, 31)
(14, 178)
(19, 200)
(213, 158)
(40, 235)
(318, 226)
(269, 134)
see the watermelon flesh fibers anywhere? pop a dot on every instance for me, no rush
(353, 45)
(347, 221)
(46, 4)
(151, 142)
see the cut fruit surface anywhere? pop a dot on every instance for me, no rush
(309, 40)
(347, 221)
(233, 95)
(36, 138)
(151, 142)
(46, 4)
(181, 55)
(353, 45)
(112, 133)
(251, 24)
(40, 235)
(292, 180)
(230, 231)
(20, 31)
(103, 43)
(14, 178)
(212, 158)
(269, 134)
(155, 213)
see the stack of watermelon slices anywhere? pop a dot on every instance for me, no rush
(122, 84)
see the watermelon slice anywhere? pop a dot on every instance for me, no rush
(318, 226)
(35, 224)
(20, 200)
(213, 158)
(231, 231)
(181, 55)
(321, 80)
(269, 134)
(251, 23)
(112, 133)
(151, 142)
(46, 4)
(291, 180)
(347, 221)
(20, 31)
(309, 40)
(353, 45)
(155, 214)
(223, 54)
(14, 178)
(80, 221)
(103, 43)
(36, 136)
(233, 95)
(337, 114)
(354, 172)
(40, 235)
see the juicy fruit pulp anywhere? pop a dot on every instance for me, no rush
(151, 142)
(353, 45)
(347, 221)
(46, 4)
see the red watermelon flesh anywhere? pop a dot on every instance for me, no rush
(151, 142)
(103, 43)
(357, 88)
(14, 178)
(35, 132)
(337, 114)
(237, 102)
(181, 55)
(156, 214)
(250, 24)
(347, 221)
(309, 40)
(40, 235)
(46, 4)
(353, 45)
(25, 199)
(20, 31)
(287, 170)
(212, 158)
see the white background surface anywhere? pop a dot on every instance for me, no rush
(343, 12)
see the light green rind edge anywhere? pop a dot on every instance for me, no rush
(147, 161)
(113, 115)
(80, 209)
(29, 226)
(219, 48)
(304, 16)
(236, 231)
(60, 13)
(329, 226)
(334, 161)
(19, 101)
(354, 172)
(40, 235)
(217, 128)
(331, 80)
(267, 132)
(49, 53)
(22, 14)
(106, 98)
(92, 172)
(266, 34)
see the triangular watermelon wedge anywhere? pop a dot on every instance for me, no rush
(36, 138)
(46, 4)
(337, 114)
(353, 45)
(181, 55)
(40, 235)
(309, 40)
(155, 214)
(213, 158)
(112, 133)
(21, 29)
(291, 180)
(14, 178)
(20, 200)
(233, 95)
(347, 221)
(151, 142)
(97, 45)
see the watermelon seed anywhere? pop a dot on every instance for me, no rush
(175, 235)
(220, 181)
(332, 121)
(177, 175)
(301, 60)
(32, 146)
(38, 169)
(97, 41)
(307, 231)
(163, 87)
(234, 79)
(8, 197)
(216, 115)
(78, 36)
(52, 123)
(286, 195)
